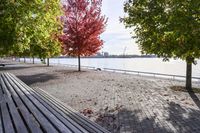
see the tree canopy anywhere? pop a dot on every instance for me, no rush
(167, 28)
(7, 26)
(44, 42)
(83, 25)
(32, 27)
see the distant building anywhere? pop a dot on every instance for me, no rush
(98, 54)
(105, 54)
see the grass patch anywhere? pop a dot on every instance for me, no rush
(183, 89)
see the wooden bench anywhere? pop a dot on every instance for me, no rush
(23, 110)
(3, 65)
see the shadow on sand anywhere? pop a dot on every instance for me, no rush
(36, 78)
(10, 66)
(194, 98)
(177, 120)
(71, 71)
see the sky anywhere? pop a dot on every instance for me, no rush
(117, 39)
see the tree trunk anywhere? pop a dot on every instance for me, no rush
(79, 63)
(189, 76)
(33, 60)
(47, 61)
(24, 60)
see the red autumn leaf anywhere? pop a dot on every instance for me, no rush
(83, 24)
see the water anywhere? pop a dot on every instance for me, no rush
(155, 65)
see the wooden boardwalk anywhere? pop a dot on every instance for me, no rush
(23, 110)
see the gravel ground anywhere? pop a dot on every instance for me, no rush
(121, 103)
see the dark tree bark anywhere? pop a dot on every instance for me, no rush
(47, 61)
(79, 63)
(33, 60)
(189, 76)
(24, 60)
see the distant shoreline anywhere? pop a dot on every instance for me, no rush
(112, 57)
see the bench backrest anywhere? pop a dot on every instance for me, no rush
(24, 109)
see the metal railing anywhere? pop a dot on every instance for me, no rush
(171, 76)
(70, 65)
(159, 75)
(141, 73)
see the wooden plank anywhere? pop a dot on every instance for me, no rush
(18, 122)
(75, 115)
(73, 112)
(7, 122)
(57, 124)
(59, 114)
(90, 129)
(32, 124)
(55, 121)
(7, 125)
(84, 122)
(67, 121)
(1, 119)
(44, 122)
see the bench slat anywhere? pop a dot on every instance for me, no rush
(5, 116)
(24, 109)
(78, 118)
(7, 122)
(58, 124)
(93, 127)
(37, 114)
(65, 119)
(70, 114)
(1, 119)
(1, 124)
(18, 122)
(29, 119)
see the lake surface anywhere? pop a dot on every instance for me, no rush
(156, 65)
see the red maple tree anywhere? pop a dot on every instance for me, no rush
(83, 24)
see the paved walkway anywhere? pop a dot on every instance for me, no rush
(120, 103)
(142, 110)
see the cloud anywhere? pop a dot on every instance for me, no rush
(116, 37)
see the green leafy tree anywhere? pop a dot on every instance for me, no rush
(15, 17)
(44, 43)
(30, 28)
(167, 28)
(7, 26)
